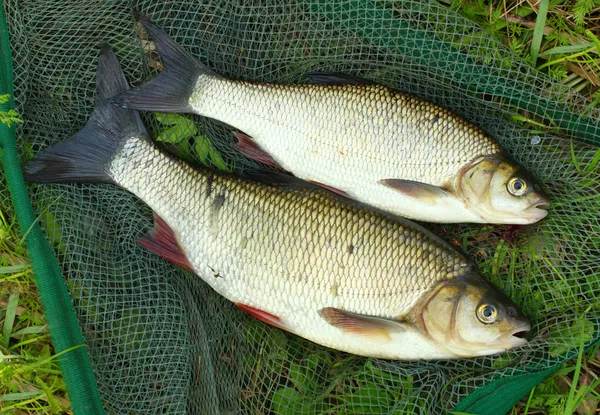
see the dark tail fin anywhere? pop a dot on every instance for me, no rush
(85, 157)
(171, 89)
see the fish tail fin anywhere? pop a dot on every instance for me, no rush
(85, 157)
(170, 91)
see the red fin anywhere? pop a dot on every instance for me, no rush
(330, 188)
(161, 241)
(247, 147)
(263, 316)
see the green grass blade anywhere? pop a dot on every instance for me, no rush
(9, 319)
(31, 330)
(13, 268)
(538, 31)
(569, 406)
(526, 411)
(568, 49)
(20, 396)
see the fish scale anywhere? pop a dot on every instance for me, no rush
(379, 146)
(358, 120)
(295, 256)
(264, 241)
(341, 136)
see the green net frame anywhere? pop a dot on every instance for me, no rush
(156, 339)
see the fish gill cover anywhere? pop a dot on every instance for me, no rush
(160, 340)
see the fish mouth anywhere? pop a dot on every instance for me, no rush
(537, 211)
(517, 336)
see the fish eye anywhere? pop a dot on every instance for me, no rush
(487, 313)
(516, 186)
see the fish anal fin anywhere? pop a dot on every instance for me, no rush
(423, 192)
(263, 316)
(250, 149)
(377, 329)
(330, 188)
(162, 241)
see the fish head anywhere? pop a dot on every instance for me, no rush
(500, 191)
(466, 317)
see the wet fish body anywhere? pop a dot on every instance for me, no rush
(295, 256)
(379, 146)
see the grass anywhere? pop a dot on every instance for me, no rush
(30, 379)
(558, 37)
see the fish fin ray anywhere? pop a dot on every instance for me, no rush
(263, 316)
(334, 78)
(376, 328)
(250, 149)
(424, 192)
(85, 157)
(161, 241)
(330, 188)
(171, 89)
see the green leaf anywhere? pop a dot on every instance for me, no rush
(568, 49)
(167, 118)
(290, 401)
(206, 152)
(9, 319)
(178, 132)
(53, 230)
(566, 338)
(368, 399)
(538, 31)
(582, 7)
(133, 329)
(31, 330)
(305, 375)
(4, 98)
(179, 129)
(11, 269)
(20, 396)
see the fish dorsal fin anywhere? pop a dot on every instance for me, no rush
(423, 192)
(375, 328)
(334, 78)
(162, 241)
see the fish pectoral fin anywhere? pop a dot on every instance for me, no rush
(162, 241)
(375, 328)
(424, 192)
(250, 149)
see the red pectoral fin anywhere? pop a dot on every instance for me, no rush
(247, 147)
(162, 241)
(263, 316)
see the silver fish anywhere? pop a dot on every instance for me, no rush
(387, 149)
(291, 254)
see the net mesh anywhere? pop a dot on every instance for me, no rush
(160, 340)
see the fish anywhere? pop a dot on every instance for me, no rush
(291, 254)
(371, 143)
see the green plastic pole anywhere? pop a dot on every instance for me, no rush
(59, 312)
